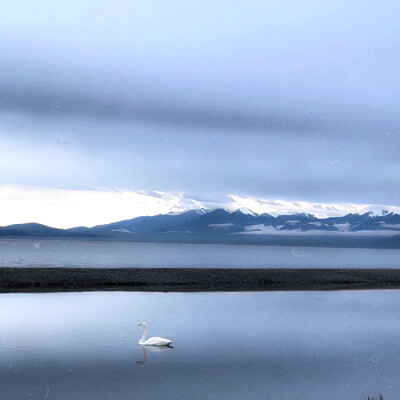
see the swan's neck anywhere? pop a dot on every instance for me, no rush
(144, 336)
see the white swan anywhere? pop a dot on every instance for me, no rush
(154, 341)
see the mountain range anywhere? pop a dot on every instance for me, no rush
(237, 227)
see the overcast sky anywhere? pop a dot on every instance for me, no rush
(293, 101)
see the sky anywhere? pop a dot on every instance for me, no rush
(114, 109)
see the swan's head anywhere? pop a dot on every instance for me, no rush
(142, 324)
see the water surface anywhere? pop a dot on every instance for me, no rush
(64, 253)
(282, 345)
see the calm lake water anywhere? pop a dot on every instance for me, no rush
(57, 253)
(281, 345)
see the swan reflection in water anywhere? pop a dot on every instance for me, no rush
(152, 349)
(154, 344)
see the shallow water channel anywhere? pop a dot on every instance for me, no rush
(278, 345)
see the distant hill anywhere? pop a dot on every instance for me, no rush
(237, 227)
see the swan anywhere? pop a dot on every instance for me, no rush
(154, 341)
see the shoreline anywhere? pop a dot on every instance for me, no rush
(47, 280)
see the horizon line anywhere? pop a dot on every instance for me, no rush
(207, 211)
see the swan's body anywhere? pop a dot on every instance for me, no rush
(153, 341)
(156, 341)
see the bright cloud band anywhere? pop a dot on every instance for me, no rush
(69, 208)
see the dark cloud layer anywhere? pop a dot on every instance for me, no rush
(47, 103)
(290, 100)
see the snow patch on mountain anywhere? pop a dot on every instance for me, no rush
(221, 225)
(317, 232)
(260, 228)
(315, 223)
(393, 226)
(245, 210)
(123, 230)
(342, 227)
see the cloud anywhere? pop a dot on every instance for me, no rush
(63, 208)
(260, 206)
(277, 101)
(55, 102)
(202, 67)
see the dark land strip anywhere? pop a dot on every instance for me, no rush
(42, 280)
